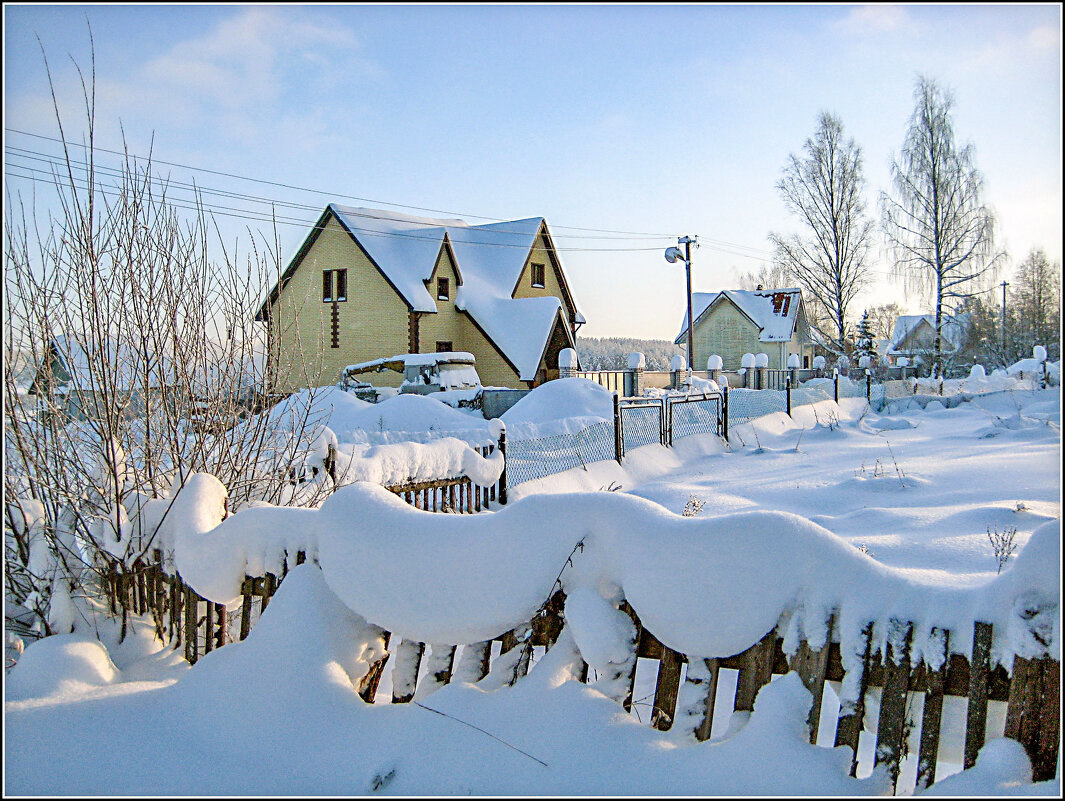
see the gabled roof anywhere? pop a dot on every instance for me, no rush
(774, 312)
(121, 364)
(490, 259)
(907, 324)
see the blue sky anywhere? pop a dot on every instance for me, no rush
(662, 120)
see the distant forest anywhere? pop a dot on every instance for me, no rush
(612, 353)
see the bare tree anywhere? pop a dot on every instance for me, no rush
(937, 225)
(1037, 304)
(147, 367)
(825, 189)
(768, 276)
(882, 319)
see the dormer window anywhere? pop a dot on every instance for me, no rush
(538, 275)
(443, 289)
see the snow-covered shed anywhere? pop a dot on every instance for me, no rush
(733, 322)
(367, 283)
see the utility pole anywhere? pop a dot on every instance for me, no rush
(1004, 285)
(687, 242)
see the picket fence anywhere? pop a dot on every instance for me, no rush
(1030, 690)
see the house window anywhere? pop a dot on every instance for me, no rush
(444, 347)
(334, 285)
(537, 275)
(443, 289)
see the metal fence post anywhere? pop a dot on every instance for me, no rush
(868, 387)
(787, 391)
(503, 475)
(835, 384)
(724, 412)
(617, 429)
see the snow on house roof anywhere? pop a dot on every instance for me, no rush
(120, 364)
(774, 311)
(490, 259)
(953, 331)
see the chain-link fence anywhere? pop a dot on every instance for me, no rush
(544, 456)
(745, 405)
(693, 415)
(641, 423)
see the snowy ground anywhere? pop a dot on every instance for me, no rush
(277, 713)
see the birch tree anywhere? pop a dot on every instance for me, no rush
(936, 223)
(825, 189)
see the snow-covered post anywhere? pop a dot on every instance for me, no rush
(793, 368)
(1039, 353)
(637, 364)
(835, 384)
(864, 363)
(567, 363)
(761, 365)
(695, 701)
(503, 475)
(618, 443)
(677, 365)
(747, 366)
(819, 366)
(714, 363)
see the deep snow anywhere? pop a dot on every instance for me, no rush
(917, 489)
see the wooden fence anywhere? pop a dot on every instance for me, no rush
(1031, 693)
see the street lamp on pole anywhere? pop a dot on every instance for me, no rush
(672, 255)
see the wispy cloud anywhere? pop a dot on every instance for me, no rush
(877, 19)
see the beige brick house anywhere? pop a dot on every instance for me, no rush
(368, 283)
(733, 322)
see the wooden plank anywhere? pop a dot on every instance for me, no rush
(702, 679)
(208, 630)
(368, 684)
(891, 728)
(245, 616)
(979, 668)
(932, 717)
(1033, 712)
(626, 702)
(405, 670)
(851, 721)
(811, 666)
(756, 671)
(666, 689)
(191, 620)
(269, 587)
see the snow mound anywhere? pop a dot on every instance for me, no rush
(406, 413)
(563, 405)
(63, 664)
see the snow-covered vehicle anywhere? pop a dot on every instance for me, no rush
(423, 373)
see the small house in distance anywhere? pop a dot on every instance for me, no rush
(369, 283)
(914, 337)
(733, 322)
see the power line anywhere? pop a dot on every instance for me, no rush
(245, 214)
(317, 191)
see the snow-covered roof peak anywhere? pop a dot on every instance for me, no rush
(774, 311)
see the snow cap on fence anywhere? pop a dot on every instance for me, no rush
(865, 361)
(819, 362)
(678, 363)
(793, 361)
(567, 359)
(843, 362)
(903, 362)
(1039, 353)
(761, 360)
(637, 361)
(977, 371)
(714, 362)
(747, 360)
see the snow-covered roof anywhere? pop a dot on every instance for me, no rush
(774, 311)
(953, 332)
(490, 259)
